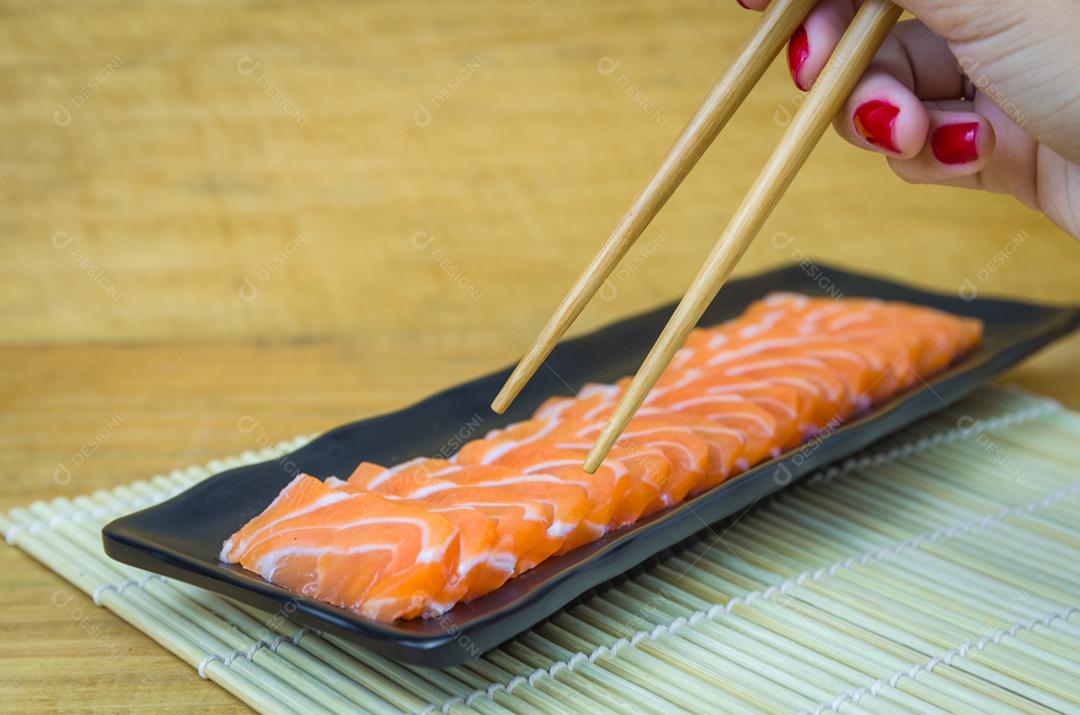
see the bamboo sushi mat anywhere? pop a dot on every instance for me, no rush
(939, 571)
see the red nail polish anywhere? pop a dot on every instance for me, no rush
(956, 143)
(741, 2)
(798, 50)
(875, 121)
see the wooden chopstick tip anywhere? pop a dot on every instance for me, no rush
(515, 383)
(504, 399)
(596, 457)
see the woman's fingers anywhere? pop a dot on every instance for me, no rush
(885, 111)
(1015, 166)
(888, 111)
(812, 43)
(913, 53)
(959, 146)
(909, 105)
(883, 115)
(921, 61)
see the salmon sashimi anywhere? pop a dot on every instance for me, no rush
(612, 490)
(822, 393)
(858, 365)
(727, 446)
(916, 340)
(792, 404)
(607, 488)
(929, 339)
(630, 479)
(757, 429)
(567, 497)
(762, 318)
(362, 551)
(685, 454)
(480, 567)
(793, 400)
(300, 497)
(872, 363)
(414, 539)
(562, 504)
(522, 524)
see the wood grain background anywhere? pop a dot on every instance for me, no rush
(308, 213)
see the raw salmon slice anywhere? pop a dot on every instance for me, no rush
(610, 479)
(789, 315)
(381, 558)
(810, 376)
(479, 569)
(686, 453)
(822, 394)
(757, 427)
(567, 497)
(727, 444)
(300, 497)
(762, 435)
(793, 408)
(858, 364)
(523, 524)
(928, 340)
(941, 334)
(529, 448)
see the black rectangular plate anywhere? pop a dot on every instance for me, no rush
(181, 537)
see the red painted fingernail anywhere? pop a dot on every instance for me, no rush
(743, 4)
(956, 143)
(875, 121)
(798, 50)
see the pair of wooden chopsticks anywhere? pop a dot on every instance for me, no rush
(849, 60)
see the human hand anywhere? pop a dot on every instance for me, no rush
(981, 94)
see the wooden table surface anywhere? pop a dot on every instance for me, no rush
(309, 213)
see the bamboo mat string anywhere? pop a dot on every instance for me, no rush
(935, 572)
(947, 659)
